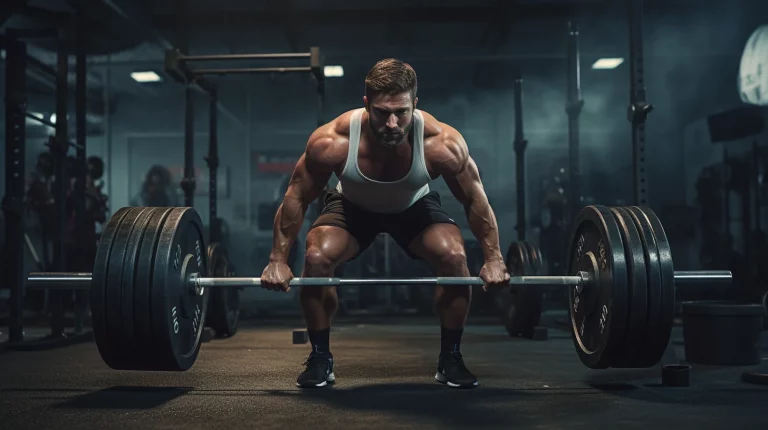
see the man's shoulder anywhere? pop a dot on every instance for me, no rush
(330, 141)
(438, 132)
(340, 125)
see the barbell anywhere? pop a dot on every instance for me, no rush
(151, 282)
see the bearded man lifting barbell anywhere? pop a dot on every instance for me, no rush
(385, 155)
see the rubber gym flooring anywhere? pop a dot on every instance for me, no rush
(385, 372)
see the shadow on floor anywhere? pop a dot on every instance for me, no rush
(489, 406)
(435, 402)
(123, 397)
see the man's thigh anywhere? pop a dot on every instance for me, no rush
(425, 231)
(339, 215)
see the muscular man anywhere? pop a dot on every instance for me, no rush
(385, 155)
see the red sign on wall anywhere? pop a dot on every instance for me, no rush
(274, 163)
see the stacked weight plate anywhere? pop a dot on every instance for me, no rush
(224, 305)
(624, 317)
(520, 308)
(145, 315)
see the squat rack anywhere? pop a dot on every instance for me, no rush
(69, 29)
(176, 65)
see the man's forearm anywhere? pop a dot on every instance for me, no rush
(288, 221)
(482, 222)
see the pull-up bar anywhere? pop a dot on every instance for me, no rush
(225, 57)
(176, 64)
(176, 67)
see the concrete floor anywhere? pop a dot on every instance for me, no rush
(384, 372)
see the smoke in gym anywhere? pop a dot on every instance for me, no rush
(401, 214)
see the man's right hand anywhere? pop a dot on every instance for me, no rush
(276, 277)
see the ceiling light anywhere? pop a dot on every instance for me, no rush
(607, 63)
(333, 71)
(148, 76)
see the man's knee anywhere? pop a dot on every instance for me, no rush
(327, 247)
(317, 262)
(452, 259)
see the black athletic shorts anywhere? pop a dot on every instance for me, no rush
(364, 226)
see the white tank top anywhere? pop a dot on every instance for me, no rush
(378, 196)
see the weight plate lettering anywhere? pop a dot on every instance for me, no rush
(178, 312)
(598, 310)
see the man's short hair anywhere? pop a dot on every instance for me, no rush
(390, 76)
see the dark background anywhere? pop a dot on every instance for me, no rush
(465, 54)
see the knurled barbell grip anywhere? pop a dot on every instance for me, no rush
(320, 282)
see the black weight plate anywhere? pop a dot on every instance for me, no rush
(178, 314)
(598, 311)
(224, 305)
(637, 333)
(667, 278)
(521, 308)
(104, 342)
(130, 348)
(142, 283)
(534, 255)
(120, 258)
(653, 350)
(114, 291)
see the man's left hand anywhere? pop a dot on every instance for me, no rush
(494, 274)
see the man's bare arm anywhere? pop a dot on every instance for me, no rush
(310, 175)
(463, 179)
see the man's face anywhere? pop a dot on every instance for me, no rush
(390, 117)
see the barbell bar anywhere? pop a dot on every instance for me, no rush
(82, 281)
(149, 299)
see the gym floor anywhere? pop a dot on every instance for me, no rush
(385, 370)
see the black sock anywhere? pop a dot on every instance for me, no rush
(450, 340)
(321, 340)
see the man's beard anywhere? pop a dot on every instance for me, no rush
(390, 140)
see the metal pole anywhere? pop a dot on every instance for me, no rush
(213, 165)
(199, 72)
(638, 107)
(244, 57)
(188, 182)
(573, 108)
(15, 175)
(108, 125)
(81, 93)
(61, 188)
(520, 146)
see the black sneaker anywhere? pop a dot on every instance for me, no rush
(452, 371)
(319, 371)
